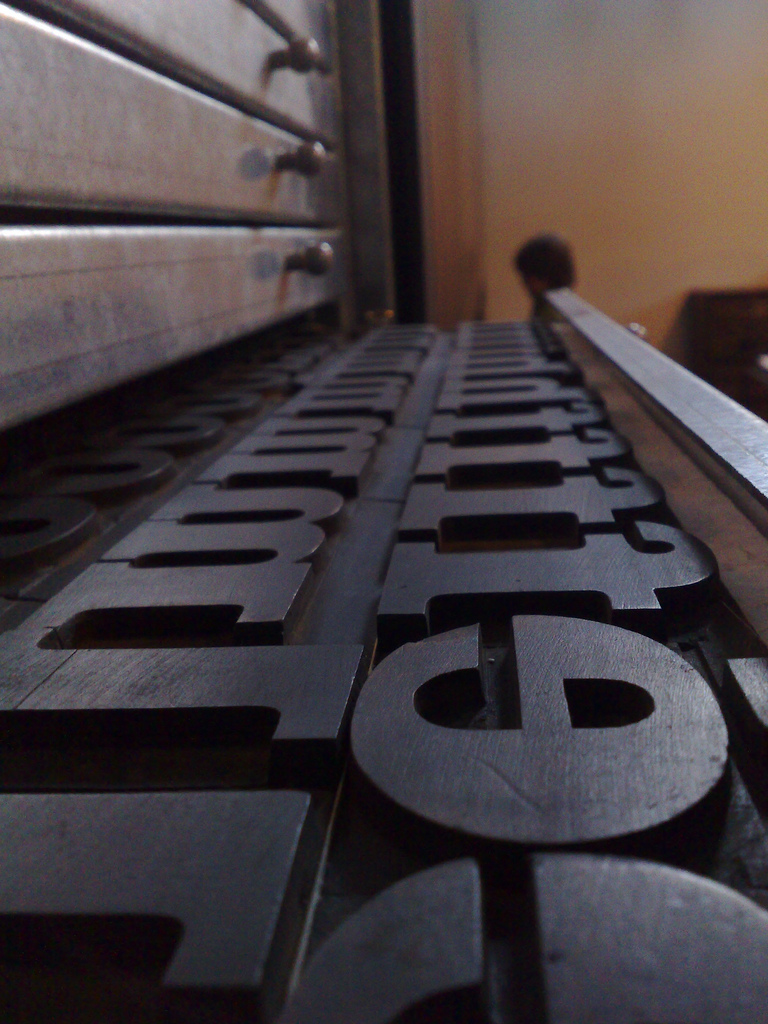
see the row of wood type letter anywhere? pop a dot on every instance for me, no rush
(438, 556)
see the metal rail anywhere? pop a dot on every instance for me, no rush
(725, 439)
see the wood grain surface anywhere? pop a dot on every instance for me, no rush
(102, 477)
(215, 651)
(165, 544)
(435, 513)
(627, 941)
(176, 719)
(463, 466)
(220, 874)
(34, 531)
(277, 427)
(207, 503)
(420, 938)
(426, 591)
(553, 419)
(468, 368)
(179, 435)
(527, 394)
(381, 401)
(340, 464)
(617, 735)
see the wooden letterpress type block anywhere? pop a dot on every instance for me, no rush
(419, 939)
(174, 719)
(115, 604)
(163, 544)
(171, 584)
(533, 516)
(619, 940)
(468, 371)
(311, 446)
(207, 504)
(313, 402)
(226, 405)
(401, 364)
(357, 370)
(34, 531)
(602, 734)
(263, 379)
(668, 573)
(367, 387)
(500, 465)
(497, 335)
(745, 687)
(527, 394)
(280, 426)
(179, 435)
(105, 478)
(338, 461)
(139, 907)
(521, 428)
(663, 945)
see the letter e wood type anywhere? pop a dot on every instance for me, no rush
(618, 735)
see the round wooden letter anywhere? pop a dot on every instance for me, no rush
(618, 735)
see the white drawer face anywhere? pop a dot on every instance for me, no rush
(82, 309)
(82, 127)
(225, 45)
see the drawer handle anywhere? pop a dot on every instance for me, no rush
(309, 159)
(314, 259)
(299, 55)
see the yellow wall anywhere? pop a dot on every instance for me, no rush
(639, 130)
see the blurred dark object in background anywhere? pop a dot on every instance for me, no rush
(726, 334)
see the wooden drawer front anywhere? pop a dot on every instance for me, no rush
(224, 46)
(86, 128)
(83, 309)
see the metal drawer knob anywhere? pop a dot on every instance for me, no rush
(299, 55)
(309, 159)
(314, 259)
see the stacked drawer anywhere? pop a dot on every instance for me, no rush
(135, 201)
